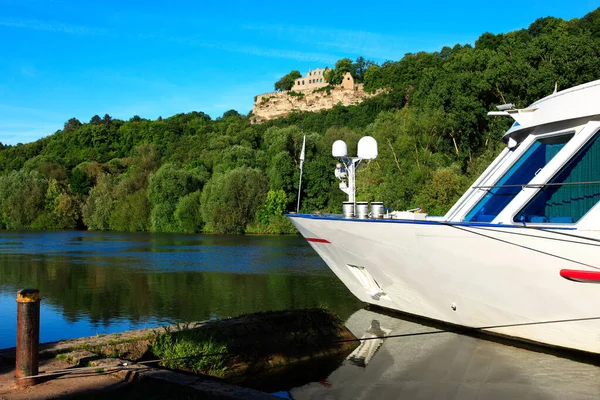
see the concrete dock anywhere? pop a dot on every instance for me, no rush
(257, 352)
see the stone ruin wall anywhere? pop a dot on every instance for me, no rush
(313, 79)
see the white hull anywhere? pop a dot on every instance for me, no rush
(501, 279)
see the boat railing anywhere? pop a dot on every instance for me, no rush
(536, 185)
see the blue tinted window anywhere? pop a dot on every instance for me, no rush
(498, 197)
(571, 193)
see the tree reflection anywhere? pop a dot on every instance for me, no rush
(103, 287)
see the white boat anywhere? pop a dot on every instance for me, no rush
(519, 252)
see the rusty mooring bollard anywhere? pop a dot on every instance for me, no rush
(28, 335)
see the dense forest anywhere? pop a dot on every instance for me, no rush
(190, 173)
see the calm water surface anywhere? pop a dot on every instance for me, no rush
(419, 361)
(98, 282)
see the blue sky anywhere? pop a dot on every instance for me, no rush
(63, 59)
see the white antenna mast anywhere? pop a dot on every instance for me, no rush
(301, 170)
(346, 169)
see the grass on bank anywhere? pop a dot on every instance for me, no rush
(191, 349)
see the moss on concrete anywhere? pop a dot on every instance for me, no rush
(254, 347)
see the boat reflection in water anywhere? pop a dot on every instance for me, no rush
(422, 362)
(370, 342)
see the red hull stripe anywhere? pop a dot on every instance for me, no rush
(581, 276)
(318, 240)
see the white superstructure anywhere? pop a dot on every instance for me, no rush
(518, 254)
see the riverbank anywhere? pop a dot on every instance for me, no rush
(262, 351)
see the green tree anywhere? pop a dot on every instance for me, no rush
(373, 78)
(132, 213)
(360, 67)
(22, 198)
(287, 81)
(99, 205)
(230, 201)
(274, 206)
(62, 210)
(335, 76)
(72, 125)
(187, 213)
(80, 182)
(166, 187)
(270, 215)
(442, 190)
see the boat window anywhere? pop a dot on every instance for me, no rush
(571, 193)
(527, 166)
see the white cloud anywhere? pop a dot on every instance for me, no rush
(24, 124)
(4, 108)
(321, 57)
(357, 42)
(51, 26)
(13, 133)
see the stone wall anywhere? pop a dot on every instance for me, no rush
(313, 79)
(273, 105)
(347, 81)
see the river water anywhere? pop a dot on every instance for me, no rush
(101, 282)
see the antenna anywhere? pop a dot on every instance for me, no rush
(301, 170)
(346, 169)
(505, 107)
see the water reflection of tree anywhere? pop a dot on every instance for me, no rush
(103, 289)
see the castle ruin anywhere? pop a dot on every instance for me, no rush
(314, 79)
(305, 96)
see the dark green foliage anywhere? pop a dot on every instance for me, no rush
(80, 182)
(357, 69)
(287, 81)
(326, 89)
(72, 125)
(296, 94)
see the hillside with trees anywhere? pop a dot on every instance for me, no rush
(191, 173)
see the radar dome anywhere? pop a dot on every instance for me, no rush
(339, 149)
(367, 148)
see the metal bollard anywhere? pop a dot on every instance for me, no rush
(28, 335)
